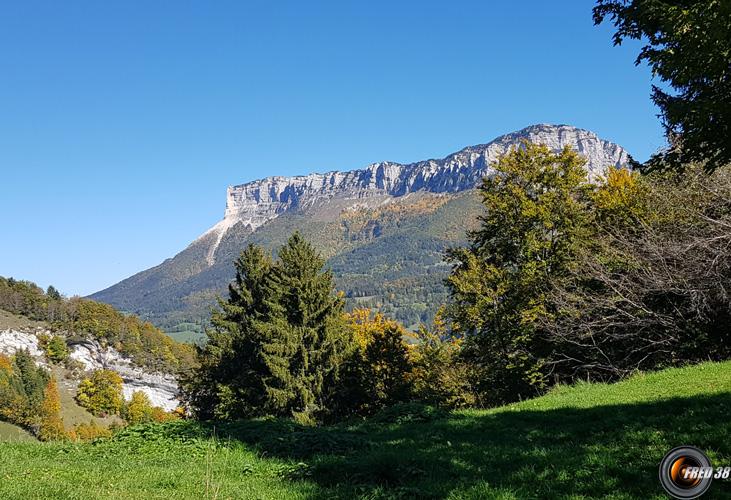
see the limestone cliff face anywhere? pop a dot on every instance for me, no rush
(255, 203)
(162, 389)
(184, 287)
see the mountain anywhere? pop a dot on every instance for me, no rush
(383, 229)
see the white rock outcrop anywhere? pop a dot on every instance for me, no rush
(162, 389)
(12, 341)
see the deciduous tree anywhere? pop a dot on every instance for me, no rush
(101, 393)
(535, 217)
(51, 423)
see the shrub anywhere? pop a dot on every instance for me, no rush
(653, 289)
(440, 376)
(159, 415)
(55, 348)
(138, 410)
(101, 393)
(89, 432)
(376, 374)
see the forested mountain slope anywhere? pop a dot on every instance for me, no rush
(383, 229)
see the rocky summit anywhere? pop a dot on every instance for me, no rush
(358, 213)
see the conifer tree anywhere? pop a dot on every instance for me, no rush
(31, 381)
(305, 335)
(277, 343)
(228, 383)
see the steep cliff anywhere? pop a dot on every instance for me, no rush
(255, 203)
(324, 206)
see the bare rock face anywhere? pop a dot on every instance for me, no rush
(255, 203)
(12, 341)
(162, 389)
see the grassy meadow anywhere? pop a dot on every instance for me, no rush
(585, 441)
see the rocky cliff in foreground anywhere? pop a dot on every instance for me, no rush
(388, 218)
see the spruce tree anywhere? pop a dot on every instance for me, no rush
(305, 332)
(228, 383)
(278, 341)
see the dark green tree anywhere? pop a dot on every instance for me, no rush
(277, 343)
(535, 217)
(228, 383)
(306, 338)
(52, 293)
(32, 377)
(32, 380)
(387, 367)
(688, 45)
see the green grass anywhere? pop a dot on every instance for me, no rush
(192, 333)
(71, 412)
(587, 441)
(10, 433)
(12, 321)
(187, 336)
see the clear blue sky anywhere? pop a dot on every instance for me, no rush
(122, 123)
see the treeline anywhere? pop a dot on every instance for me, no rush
(282, 345)
(145, 344)
(566, 278)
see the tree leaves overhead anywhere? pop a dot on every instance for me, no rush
(688, 46)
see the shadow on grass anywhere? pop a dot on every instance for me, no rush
(570, 452)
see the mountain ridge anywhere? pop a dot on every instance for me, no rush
(263, 210)
(256, 202)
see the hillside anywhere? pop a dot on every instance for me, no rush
(43, 333)
(10, 433)
(71, 412)
(383, 229)
(587, 441)
(89, 353)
